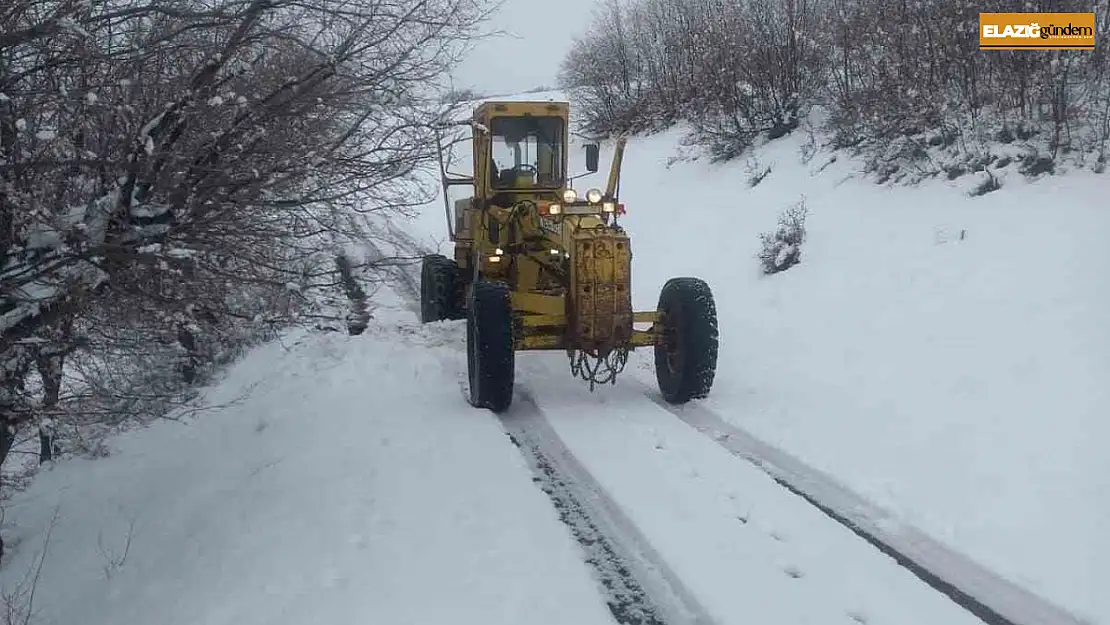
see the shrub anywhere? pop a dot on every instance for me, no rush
(782, 249)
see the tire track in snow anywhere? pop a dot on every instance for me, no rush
(640, 588)
(990, 597)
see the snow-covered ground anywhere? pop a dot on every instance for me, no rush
(938, 354)
(349, 482)
(748, 549)
(945, 356)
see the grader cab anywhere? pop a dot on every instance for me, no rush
(538, 267)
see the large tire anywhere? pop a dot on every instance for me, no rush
(686, 355)
(440, 292)
(491, 360)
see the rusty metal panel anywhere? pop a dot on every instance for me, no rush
(600, 312)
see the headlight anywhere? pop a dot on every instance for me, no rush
(554, 209)
(593, 196)
(570, 196)
(609, 207)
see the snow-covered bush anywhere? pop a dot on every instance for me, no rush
(988, 183)
(782, 249)
(756, 172)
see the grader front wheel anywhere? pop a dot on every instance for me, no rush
(491, 360)
(686, 352)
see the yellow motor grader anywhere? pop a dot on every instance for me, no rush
(539, 267)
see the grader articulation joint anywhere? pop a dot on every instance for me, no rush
(538, 267)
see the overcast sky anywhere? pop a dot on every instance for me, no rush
(539, 35)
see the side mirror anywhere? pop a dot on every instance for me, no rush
(592, 153)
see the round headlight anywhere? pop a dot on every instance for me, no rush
(593, 195)
(570, 196)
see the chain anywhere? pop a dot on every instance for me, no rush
(599, 370)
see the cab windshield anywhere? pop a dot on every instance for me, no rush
(526, 152)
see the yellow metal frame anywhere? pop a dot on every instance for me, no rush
(548, 332)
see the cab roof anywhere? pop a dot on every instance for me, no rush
(512, 108)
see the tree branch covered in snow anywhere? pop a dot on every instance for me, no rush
(177, 176)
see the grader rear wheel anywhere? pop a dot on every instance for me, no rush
(686, 352)
(491, 359)
(440, 293)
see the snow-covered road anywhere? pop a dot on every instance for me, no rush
(741, 543)
(670, 518)
(353, 483)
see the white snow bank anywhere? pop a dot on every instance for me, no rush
(333, 493)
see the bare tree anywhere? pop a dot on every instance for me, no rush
(173, 172)
(606, 73)
(904, 83)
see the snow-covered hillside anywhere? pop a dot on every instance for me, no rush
(940, 355)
